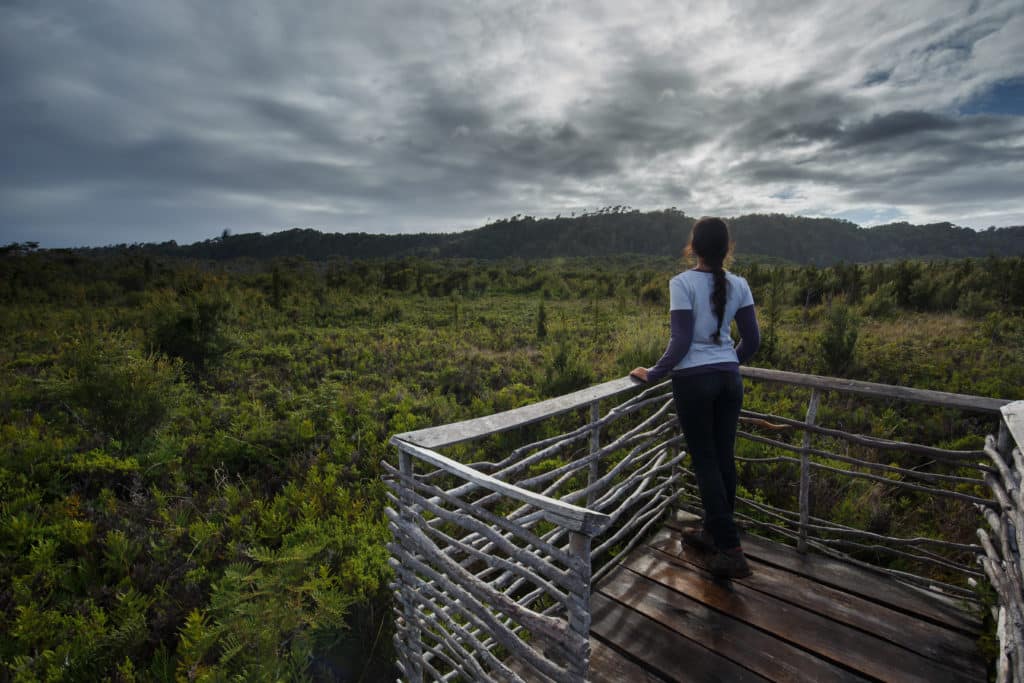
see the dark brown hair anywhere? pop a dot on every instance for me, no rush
(710, 240)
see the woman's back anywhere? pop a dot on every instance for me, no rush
(692, 290)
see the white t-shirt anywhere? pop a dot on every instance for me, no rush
(691, 290)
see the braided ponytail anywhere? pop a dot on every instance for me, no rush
(710, 241)
(718, 299)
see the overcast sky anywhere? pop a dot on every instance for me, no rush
(145, 120)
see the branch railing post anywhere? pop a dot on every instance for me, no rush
(595, 445)
(1003, 542)
(1003, 441)
(579, 621)
(805, 470)
(412, 653)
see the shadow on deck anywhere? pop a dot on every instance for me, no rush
(660, 616)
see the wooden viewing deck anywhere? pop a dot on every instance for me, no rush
(660, 616)
(555, 554)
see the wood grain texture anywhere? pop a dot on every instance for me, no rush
(1013, 415)
(843, 576)
(728, 636)
(608, 665)
(456, 432)
(851, 648)
(668, 654)
(935, 642)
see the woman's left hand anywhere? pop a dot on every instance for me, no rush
(639, 373)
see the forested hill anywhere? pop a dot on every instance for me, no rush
(820, 241)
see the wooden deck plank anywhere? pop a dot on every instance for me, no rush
(732, 638)
(941, 644)
(840, 643)
(847, 577)
(933, 606)
(661, 649)
(608, 665)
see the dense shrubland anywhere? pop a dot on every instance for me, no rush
(189, 474)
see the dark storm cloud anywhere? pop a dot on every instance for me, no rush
(633, 114)
(909, 157)
(307, 125)
(149, 121)
(897, 124)
(793, 114)
(47, 156)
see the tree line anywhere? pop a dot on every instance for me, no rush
(617, 231)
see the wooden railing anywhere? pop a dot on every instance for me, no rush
(496, 544)
(1002, 558)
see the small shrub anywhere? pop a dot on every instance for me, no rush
(116, 390)
(975, 304)
(566, 371)
(837, 342)
(192, 328)
(653, 293)
(882, 302)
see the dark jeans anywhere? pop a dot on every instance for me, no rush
(708, 406)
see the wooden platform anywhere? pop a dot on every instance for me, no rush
(662, 617)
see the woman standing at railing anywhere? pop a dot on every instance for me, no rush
(706, 383)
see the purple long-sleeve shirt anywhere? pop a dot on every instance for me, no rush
(682, 336)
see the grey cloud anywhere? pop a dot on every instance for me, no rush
(769, 170)
(901, 123)
(791, 115)
(309, 126)
(909, 158)
(629, 117)
(152, 121)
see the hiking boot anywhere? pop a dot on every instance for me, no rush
(729, 564)
(699, 538)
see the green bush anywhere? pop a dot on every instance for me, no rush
(882, 302)
(975, 304)
(192, 327)
(654, 292)
(283, 601)
(566, 370)
(838, 340)
(114, 390)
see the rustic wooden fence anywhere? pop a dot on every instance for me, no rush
(1002, 560)
(494, 555)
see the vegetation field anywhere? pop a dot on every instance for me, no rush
(189, 451)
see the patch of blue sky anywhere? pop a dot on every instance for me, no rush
(788, 193)
(1004, 97)
(877, 77)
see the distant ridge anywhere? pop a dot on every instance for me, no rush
(616, 232)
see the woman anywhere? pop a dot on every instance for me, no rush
(706, 382)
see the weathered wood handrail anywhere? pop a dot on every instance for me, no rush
(943, 399)
(467, 430)
(490, 549)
